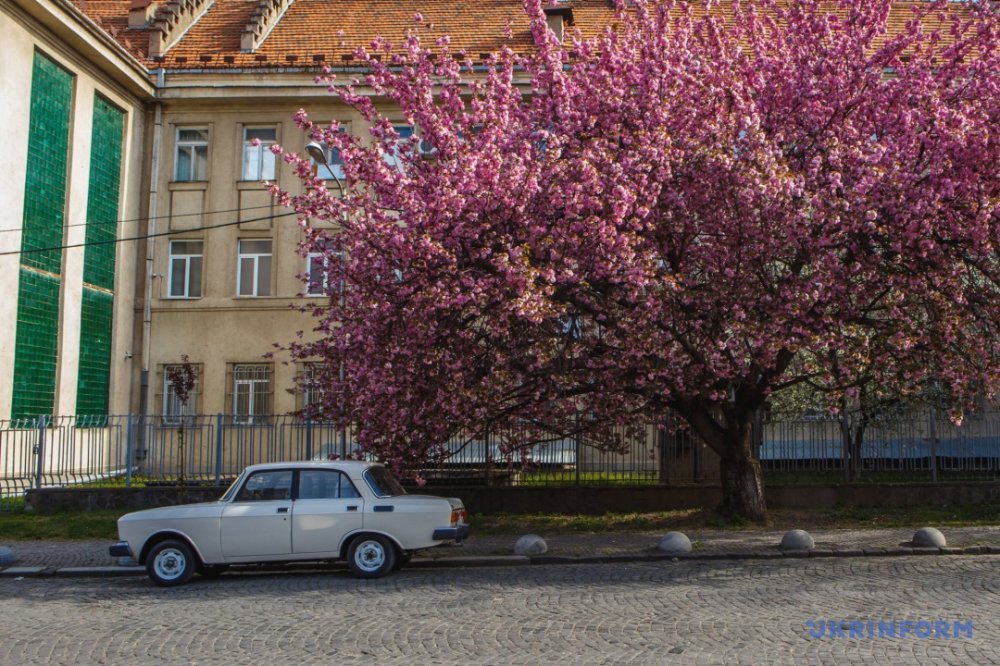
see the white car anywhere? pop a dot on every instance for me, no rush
(294, 511)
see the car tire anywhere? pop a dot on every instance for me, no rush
(371, 556)
(170, 563)
(402, 560)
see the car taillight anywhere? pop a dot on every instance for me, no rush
(458, 517)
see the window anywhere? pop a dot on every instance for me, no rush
(251, 392)
(184, 277)
(267, 485)
(312, 392)
(316, 270)
(192, 154)
(382, 482)
(253, 270)
(325, 484)
(175, 413)
(392, 158)
(258, 161)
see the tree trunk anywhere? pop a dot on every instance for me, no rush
(740, 472)
(743, 487)
(855, 448)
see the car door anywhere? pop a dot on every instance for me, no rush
(257, 523)
(327, 507)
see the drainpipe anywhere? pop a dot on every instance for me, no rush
(147, 312)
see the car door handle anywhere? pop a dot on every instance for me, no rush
(383, 507)
(282, 509)
(352, 508)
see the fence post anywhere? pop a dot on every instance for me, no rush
(309, 439)
(576, 443)
(129, 449)
(40, 452)
(932, 415)
(218, 449)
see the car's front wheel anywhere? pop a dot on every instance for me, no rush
(371, 556)
(170, 563)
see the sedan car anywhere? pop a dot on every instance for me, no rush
(294, 511)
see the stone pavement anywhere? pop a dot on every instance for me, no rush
(718, 611)
(55, 556)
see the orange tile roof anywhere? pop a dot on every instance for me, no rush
(334, 29)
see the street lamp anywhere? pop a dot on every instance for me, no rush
(319, 156)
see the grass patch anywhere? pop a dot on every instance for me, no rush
(101, 524)
(61, 526)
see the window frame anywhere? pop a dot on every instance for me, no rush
(264, 155)
(193, 145)
(395, 158)
(343, 481)
(238, 497)
(171, 256)
(253, 415)
(255, 257)
(190, 411)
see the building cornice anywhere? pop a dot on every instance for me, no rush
(82, 34)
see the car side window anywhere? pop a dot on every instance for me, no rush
(267, 485)
(325, 484)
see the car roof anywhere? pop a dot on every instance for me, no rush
(355, 465)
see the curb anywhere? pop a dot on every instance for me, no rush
(462, 562)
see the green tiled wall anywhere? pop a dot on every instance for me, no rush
(95, 353)
(99, 260)
(36, 344)
(48, 155)
(35, 348)
(102, 199)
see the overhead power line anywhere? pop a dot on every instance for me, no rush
(147, 219)
(174, 232)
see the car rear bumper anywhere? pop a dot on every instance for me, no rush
(120, 549)
(459, 533)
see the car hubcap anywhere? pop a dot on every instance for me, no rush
(169, 563)
(370, 556)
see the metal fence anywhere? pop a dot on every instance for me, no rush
(127, 450)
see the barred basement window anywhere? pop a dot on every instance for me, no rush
(174, 413)
(250, 397)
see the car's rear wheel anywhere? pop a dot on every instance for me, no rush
(170, 563)
(371, 556)
(402, 560)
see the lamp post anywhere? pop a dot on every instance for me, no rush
(316, 152)
(319, 156)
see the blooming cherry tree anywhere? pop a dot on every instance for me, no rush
(694, 209)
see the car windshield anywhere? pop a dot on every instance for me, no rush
(226, 496)
(382, 482)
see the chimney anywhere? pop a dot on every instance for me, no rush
(557, 18)
(140, 13)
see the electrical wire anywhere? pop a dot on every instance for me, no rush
(207, 227)
(147, 219)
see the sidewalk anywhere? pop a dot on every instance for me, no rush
(91, 557)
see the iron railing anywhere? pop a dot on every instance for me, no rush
(126, 450)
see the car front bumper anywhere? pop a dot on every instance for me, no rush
(459, 533)
(120, 549)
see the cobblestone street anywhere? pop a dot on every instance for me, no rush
(688, 612)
